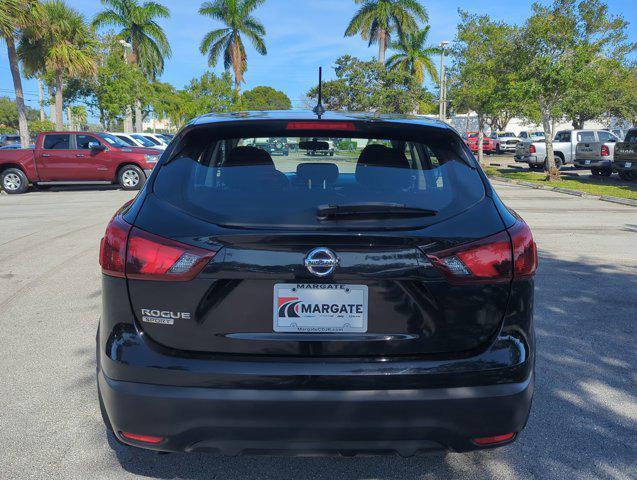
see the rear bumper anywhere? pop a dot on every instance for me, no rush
(621, 166)
(234, 421)
(593, 163)
(525, 158)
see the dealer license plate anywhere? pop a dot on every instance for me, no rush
(320, 308)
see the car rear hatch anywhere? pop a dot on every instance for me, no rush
(626, 152)
(211, 271)
(523, 149)
(589, 152)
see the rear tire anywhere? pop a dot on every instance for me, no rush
(14, 181)
(606, 172)
(596, 172)
(131, 177)
(627, 175)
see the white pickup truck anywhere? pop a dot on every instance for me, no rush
(596, 151)
(564, 147)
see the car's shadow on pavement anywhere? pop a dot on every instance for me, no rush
(584, 415)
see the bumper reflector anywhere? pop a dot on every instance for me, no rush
(142, 438)
(493, 440)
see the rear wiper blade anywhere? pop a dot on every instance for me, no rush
(369, 210)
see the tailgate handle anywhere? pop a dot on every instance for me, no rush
(46, 154)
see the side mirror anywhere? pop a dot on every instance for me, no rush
(96, 146)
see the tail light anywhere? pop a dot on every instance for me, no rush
(113, 247)
(133, 253)
(605, 151)
(499, 258)
(532, 148)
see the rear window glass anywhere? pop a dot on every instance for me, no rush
(281, 183)
(631, 136)
(56, 142)
(586, 137)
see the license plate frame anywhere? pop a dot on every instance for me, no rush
(320, 308)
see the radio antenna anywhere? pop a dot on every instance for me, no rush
(319, 110)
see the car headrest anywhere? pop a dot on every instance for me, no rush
(317, 174)
(248, 156)
(258, 170)
(380, 166)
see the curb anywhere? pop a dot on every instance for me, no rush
(576, 193)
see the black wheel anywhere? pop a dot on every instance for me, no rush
(606, 172)
(131, 177)
(14, 181)
(498, 150)
(535, 166)
(627, 175)
(595, 171)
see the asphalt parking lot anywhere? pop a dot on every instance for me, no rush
(584, 418)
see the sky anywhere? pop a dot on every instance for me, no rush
(301, 36)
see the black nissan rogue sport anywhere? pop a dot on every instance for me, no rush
(378, 300)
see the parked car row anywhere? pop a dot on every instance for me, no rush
(76, 157)
(600, 150)
(148, 140)
(501, 142)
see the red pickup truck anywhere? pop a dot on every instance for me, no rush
(76, 157)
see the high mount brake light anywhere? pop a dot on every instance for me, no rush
(497, 258)
(133, 253)
(322, 125)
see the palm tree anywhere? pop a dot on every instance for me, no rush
(236, 14)
(414, 56)
(139, 28)
(377, 20)
(61, 43)
(15, 15)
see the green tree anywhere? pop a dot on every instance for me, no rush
(265, 98)
(414, 55)
(377, 20)
(227, 42)
(117, 87)
(481, 50)
(138, 26)
(9, 116)
(209, 93)
(598, 90)
(559, 42)
(15, 15)
(63, 43)
(369, 86)
(38, 126)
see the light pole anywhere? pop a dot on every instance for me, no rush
(443, 90)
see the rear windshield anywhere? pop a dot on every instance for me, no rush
(284, 182)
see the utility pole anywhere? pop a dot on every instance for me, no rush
(443, 88)
(128, 117)
(41, 97)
